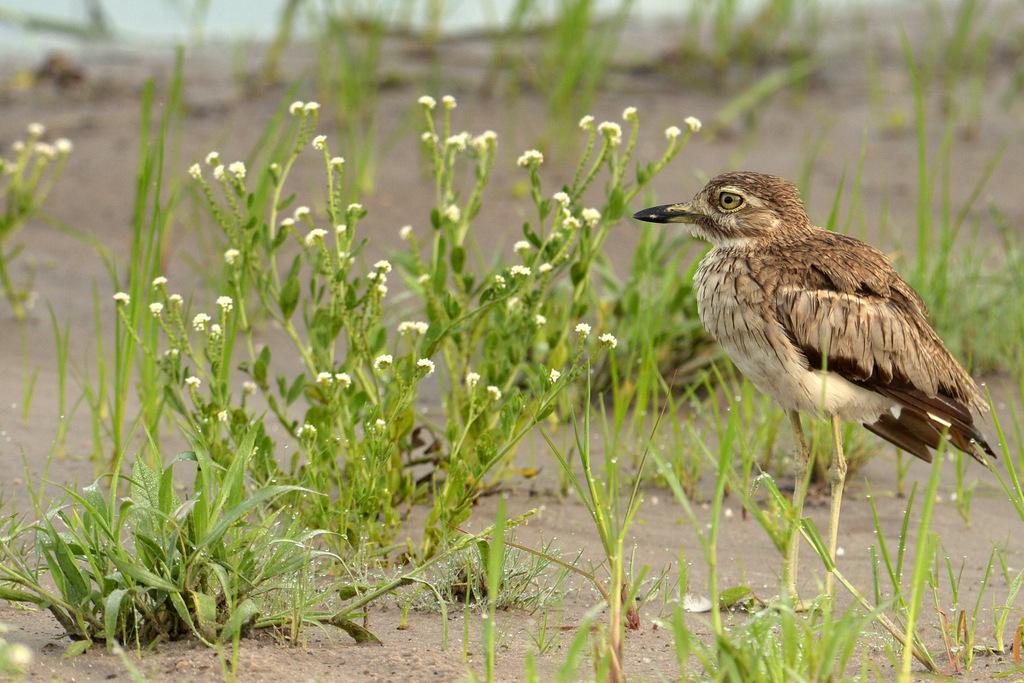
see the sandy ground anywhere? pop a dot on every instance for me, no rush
(824, 125)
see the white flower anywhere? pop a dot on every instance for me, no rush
(193, 381)
(230, 256)
(196, 171)
(249, 387)
(63, 145)
(215, 331)
(337, 163)
(380, 424)
(122, 298)
(159, 281)
(295, 107)
(449, 102)
(608, 339)
(521, 246)
(301, 213)
(570, 223)
(225, 303)
(495, 392)
(591, 216)
(562, 198)
(530, 157)
(200, 320)
(340, 229)
(175, 299)
(320, 142)
(36, 129)
(382, 289)
(383, 361)
(213, 159)
(355, 207)
(222, 416)
(315, 235)
(427, 364)
(428, 137)
(311, 106)
(287, 222)
(540, 320)
(520, 270)
(612, 131)
(218, 172)
(544, 268)
(383, 265)
(406, 232)
(156, 308)
(472, 379)
(499, 281)
(343, 379)
(583, 329)
(459, 142)
(324, 378)
(237, 169)
(306, 430)
(45, 149)
(485, 140)
(629, 114)
(417, 327)
(427, 101)
(693, 123)
(452, 213)
(423, 279)
(587, 122)
(554, 375)
(672, 132)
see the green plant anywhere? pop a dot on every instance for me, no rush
(515, 325)
(25, 182)
(134, 569)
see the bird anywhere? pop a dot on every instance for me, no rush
(823, 324)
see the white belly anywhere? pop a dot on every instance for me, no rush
(793, 387)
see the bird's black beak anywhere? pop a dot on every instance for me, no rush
(668, 213)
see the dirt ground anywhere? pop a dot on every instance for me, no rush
(824, 125)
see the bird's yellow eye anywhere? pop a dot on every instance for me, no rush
(729, 201)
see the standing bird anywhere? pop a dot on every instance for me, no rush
(822, 323)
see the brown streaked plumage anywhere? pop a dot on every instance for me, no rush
(822, 323)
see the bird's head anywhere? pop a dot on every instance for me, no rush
(737, 208)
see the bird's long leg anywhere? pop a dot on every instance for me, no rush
(837, 479)
(801, 463)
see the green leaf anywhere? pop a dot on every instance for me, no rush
(145, 488)
(143, 575)
(295, 390)
(172, 399)
(206, 613)
(458, 258)
(244, 614)
(75, 583)
(111, 612)
(735, 597)
(289, 297)
(77, 648)
(259, 368)
(358, 633)
(578, 272)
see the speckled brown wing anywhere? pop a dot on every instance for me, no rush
(848, 311)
